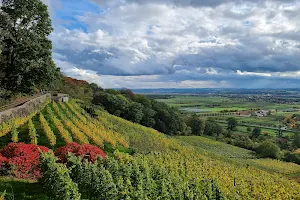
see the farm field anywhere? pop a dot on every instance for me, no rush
(58, 124)
(242, 129)
(207, 103)
(200, 105)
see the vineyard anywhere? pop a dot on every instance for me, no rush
(239, 156)
(217, 148)
(141, 162)
(58, 124)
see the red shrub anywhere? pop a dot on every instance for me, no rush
(87, 151)
(22, 159)
(3, 160)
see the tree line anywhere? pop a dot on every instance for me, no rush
(140, 109)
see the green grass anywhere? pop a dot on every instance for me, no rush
(193, 100)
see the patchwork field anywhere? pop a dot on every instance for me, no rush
(215, 104)
(210, 105)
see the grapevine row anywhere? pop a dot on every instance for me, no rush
(85, 129)
(14, 133)
(32, 132)
(60, 127)
(7, 126)
(78, 115)
(48, 131)
(75, 131)
(92, 131)
(96, 127)
(97, 131)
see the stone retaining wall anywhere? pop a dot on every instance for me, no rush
(25, 109)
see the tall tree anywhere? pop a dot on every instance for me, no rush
(256, 132)
(231, 123)
(296, 140)
(26, 50)
(196, 124)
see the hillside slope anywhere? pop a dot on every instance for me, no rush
(238, 156)
(237, 180)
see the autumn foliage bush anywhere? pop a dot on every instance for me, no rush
(21, 160)
(86, 151)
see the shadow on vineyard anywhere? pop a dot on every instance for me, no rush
(21, 189)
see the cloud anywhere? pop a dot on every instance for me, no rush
(244, 73)
(193, 3)
(184, 42)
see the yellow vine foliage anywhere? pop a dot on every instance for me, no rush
(48, 131)
(32, 132)
(85, 129)
(78, 115)
(235, 180)
(92, 128)
(80, 136)
(60, 127)
(7, 126)
(14, 133)
(276, 165)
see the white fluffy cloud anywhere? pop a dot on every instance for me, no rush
(183, 43)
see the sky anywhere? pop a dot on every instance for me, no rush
(178, 43)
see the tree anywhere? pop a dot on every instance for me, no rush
(280, 131)
(231, 123)
(212, 128)
(114, 104)
(26, 50)
(148, 114)
(256, 132)
(196, 124)
(296, 140)
(269, 149)
(292, 157)
(135, 112)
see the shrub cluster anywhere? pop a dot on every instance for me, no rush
(21, 160)
(86, 151)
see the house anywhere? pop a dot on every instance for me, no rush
(60, 97)
(244, 114)
(284, 128)
(261, 113)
